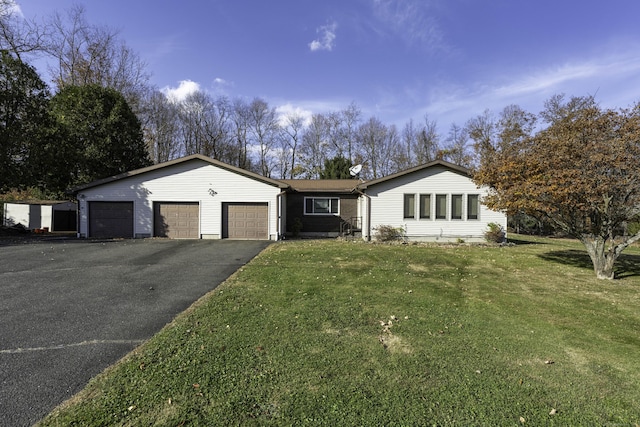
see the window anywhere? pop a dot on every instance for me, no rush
(473, 206)
(409, 205)
(321, 205)
(425, 206)
(441, 206)
(456, 206)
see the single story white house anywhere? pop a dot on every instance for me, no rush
(202, 198)
(52, 215)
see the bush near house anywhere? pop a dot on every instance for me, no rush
(495, 233)
(387, 233)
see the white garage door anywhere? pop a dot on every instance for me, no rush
(111, 219)
(176, 220)
(245, 221)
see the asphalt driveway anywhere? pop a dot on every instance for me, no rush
(71, 308)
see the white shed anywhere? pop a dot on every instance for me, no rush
(436, 201)
(50, 215)
(191, 197)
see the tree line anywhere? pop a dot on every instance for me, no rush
(249, 134)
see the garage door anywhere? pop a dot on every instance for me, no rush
(245, 221)
(176, 220)
(111, 219)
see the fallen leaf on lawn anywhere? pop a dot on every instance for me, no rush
(196, 386)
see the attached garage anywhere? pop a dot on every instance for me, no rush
(111, 219)
(194, 197)
(245, 221)
(176, 220)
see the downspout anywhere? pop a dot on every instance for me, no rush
(279, 231)
(367, 215)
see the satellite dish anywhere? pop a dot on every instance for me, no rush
(355, 170)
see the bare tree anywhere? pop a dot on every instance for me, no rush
(313, 151)
(456, 149)
(292, 129)
(264, 128)
(160, 125)
(427, 141)
(349, 130)
(17, 35)
(217, 129)
(240, 134)
(191, 114)
(89, 54)
(378, 144)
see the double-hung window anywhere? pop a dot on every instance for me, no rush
(441, 206)
(456, 206)
(321, 205)
(473, 206)
(425, 206)
(409, 206)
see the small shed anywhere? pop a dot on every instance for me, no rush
(51, 215)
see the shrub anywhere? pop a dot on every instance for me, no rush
(495, 233)
(296, 228)
(387, 233)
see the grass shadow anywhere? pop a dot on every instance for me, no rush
(626, 266)
(519, 241)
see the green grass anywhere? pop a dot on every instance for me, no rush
(302, 335)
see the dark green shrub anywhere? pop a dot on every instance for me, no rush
(296, 228)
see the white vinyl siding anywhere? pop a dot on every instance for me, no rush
(384, 201)
(192, 181)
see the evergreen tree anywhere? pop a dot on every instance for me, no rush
(336, 168)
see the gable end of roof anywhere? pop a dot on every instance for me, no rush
(450, 166)
(192, 157)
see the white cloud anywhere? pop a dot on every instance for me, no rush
(412, 20)
(180, 93)
(9, 8)
(327, 38)
(289, 109)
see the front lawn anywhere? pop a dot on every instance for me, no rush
(350, 333)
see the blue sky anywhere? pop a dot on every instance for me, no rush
(396, 59)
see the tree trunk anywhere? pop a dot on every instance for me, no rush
(602, 258)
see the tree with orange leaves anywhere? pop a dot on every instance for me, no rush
(581, 172)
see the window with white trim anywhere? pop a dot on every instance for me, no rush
(409, 206)
(456, 206)
(321, 205)
(425, 206)
(473, 206)
(441, 206)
